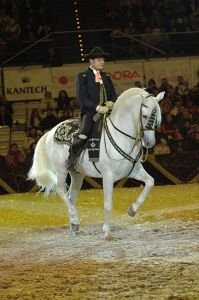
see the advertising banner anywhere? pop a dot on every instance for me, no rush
(194, 64)
(28, 84)
(32, 83)
(169, 69)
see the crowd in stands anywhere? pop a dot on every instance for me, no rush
(23, 20)
(179, 130)
(29, 20)
(145, 16)
(49, 112)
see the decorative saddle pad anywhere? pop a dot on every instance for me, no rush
(66, 131)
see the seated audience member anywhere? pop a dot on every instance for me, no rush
(63, 117)
(162, 148)
(30, 138)
(186, 128)
(176, 109)
(195, 141)
(5, 117)
(49, 121)
(165, 85)
(168, 125)
(6, 104)
(182, 89)
(176, 141)
(48, 102)
(64, 102)
(30, 152)
(183, 117)
(152, 86)
(35, 119)
(43, 29)
(14, 157)
(52, 59)
(38, 135)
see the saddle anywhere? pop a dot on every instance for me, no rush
(68, 129)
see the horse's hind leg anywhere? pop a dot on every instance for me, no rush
(75, 186)
(143, 176)
(69, 198)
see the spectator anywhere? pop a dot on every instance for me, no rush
(168, 126)
(176, 141)
(30, 138)
(7, 104)
(151, 86)
(52, 59)
(14, 30)
(49, 121)
(176, 109)
(182, 89)
(30, 152)
(35, 119)
(5, 117)
(162, 148)
(43, 29)
(64, 102)
(48, 102)
(63, 117)
(14, 157)
(165, 85)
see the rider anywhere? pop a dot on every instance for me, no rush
(96, 94)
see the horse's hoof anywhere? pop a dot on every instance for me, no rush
(74, 227)
(131, 212)
(108, 236)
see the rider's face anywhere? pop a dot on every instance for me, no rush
(97, 63)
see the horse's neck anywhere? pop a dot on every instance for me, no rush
(125, 116)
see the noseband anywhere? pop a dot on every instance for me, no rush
(151, 121)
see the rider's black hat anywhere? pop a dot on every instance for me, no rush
(96, 53)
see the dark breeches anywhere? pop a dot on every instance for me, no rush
(87, 124)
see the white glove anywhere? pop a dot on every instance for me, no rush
(102, 109)
(109, 104)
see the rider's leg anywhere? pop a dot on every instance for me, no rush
(80, 140)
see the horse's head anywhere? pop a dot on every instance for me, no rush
(150, 117)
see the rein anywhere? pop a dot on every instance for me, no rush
(124, 154)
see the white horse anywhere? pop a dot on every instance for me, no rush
(129, 128)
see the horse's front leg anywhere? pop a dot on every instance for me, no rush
(143, 176)
(108, 191)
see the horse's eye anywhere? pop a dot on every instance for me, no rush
(144, 116)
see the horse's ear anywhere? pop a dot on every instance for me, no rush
(160, 96)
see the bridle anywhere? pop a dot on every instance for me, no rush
(137, 138)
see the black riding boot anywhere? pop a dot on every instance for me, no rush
(74, 152)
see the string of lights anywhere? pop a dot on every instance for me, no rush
(78, 27)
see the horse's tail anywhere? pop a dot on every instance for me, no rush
(41, 169)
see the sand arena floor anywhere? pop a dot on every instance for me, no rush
(154, 255)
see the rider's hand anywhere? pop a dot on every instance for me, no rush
(109, 104)
(102, 109)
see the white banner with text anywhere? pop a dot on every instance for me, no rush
(31, 83)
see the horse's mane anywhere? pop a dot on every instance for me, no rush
(132, 92)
